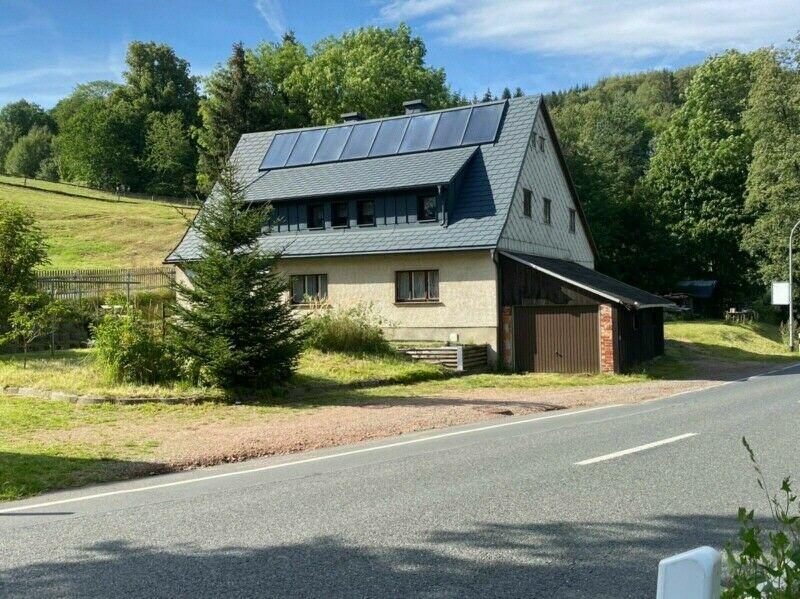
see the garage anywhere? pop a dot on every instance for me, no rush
(559, 316)
(556, 339)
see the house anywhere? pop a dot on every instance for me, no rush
(458, 225)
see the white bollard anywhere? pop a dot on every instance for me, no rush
(695, 574)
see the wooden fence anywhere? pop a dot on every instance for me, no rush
(101, 282)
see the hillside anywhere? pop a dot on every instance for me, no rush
(101, 232)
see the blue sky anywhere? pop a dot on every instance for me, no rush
(47, 47)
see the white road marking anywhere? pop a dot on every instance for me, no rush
(617, 454)
(296, 462)
(723, 384)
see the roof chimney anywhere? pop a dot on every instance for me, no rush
(415, 106)
(352, 117)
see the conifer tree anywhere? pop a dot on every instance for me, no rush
(234, 327)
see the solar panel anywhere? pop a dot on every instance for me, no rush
(360, 141)
(389, 137)
(306, 147)
(483, 123)
(417, 133)
(279, 150)
(450, 129)
(331, 146)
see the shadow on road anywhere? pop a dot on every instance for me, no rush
(549, 560)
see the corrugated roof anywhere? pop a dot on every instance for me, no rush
(476, 220)
(592, 281)
(388, 173)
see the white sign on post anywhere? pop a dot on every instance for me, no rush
(780, 293)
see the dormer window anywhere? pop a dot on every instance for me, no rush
(547, 211)
(316, 216)
(427, 209)
(340, 214)
(366, 213)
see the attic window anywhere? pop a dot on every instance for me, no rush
(426, 209)
(572, 220)
(340, 214)
(526, 202)
(541, 143)
(547, 211)
(366, 213)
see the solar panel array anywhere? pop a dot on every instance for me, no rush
(414, 133)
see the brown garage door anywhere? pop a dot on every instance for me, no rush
(556, 339)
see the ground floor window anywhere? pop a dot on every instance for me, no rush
(307, 288)
(417, 286)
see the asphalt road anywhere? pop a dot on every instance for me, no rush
(547, 506)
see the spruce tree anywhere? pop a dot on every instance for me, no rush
(237, 102)
(234, 328)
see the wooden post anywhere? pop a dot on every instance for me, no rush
(53, 320)
(128, 288)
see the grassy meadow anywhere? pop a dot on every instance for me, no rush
(97, 230)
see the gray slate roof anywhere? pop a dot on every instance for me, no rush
(402, 171)
(592, 281)
(476, 221)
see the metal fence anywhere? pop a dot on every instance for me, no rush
(101, 282)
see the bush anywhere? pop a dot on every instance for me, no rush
(48, 170)
(352, 330)
(131, 352)
(760, 569)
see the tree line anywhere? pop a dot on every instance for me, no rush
(691, 173)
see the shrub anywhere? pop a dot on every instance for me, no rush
(760, 569)
(48, 170)
(131, 352)
(355, 329)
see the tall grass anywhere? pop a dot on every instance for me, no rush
(354, 330)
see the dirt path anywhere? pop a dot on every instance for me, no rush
(180, 445)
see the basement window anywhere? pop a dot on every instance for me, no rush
(547, 211)
(316, 216)
(572, 214)
(417, 286)
(366, 213)
(309, 288)
(340, 214)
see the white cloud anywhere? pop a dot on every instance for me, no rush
(603, 27)
(273, 14)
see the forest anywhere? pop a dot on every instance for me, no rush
(684, 174)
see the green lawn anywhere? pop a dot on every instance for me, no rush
(98, 231)
(55, 444)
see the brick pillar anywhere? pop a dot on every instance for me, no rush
(606, 338)
(507, 339)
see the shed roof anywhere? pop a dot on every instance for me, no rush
(592, 281)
